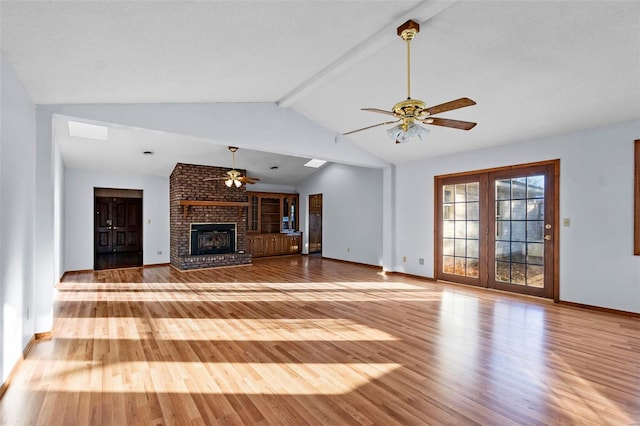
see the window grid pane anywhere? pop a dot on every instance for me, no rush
(460, 223)
(519, 222)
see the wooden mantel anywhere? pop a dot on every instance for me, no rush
(186, 203)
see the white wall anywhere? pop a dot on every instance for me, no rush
(78, 228)
(597, 266)
(58, 214)
(17, 217)
(351, 213)
(45, 249)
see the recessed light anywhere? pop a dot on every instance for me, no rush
(148, 153)
(314, 163)
(274, 167)
(88, 131)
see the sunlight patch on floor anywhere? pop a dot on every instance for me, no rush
(207, 377)
(217, 329)
(580, 402)
(243, 292)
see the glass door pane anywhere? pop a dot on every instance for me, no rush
(519, 225)
(293, 225)
(522, 231)
(253, 213)
(460, 239)
(285, 213)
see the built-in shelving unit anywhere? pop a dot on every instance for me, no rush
(273, 224)
(270, 215)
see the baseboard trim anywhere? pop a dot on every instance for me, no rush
(599, 309)
(540, 299)
(404, 274)
(352, 262)
(25, 352)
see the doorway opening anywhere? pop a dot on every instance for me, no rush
(315, 223)
(498, 228)
(117, 228)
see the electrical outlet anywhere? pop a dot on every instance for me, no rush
(159, 252)
(27, 313)
(348, 249)
(404, 258)
(421, 261)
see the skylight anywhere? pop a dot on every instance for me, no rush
(314, 163)
(88, 131)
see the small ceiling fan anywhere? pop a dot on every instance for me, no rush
(410, 111)
(234, 177)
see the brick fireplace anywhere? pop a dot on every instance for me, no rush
(208, 220)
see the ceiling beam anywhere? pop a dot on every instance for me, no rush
(422, 13)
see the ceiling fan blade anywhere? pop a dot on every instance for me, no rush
(370, 127)
(218, 178)
(247, 179)
(449, 106)
(380, 111)
(445, 122)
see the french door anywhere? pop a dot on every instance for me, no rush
(117, 232)
(497, 228)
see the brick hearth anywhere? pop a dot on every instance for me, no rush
(187, 184)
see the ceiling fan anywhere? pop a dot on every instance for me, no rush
(234, 177)
(412, 111)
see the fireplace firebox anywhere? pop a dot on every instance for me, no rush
(213, 238)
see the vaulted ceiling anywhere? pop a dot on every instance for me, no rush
(535, 68)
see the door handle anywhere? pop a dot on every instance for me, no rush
(547, 237)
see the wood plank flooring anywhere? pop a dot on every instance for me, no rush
(302, 340)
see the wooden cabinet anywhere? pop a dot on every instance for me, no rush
(255, 245)
(293, 243)
(271, 212)
(272, 224)
(261, 245)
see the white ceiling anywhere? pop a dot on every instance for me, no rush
(123, 153)
(535, 68)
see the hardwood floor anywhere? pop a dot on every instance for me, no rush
(302, 340)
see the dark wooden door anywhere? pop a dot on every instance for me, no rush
(315, 223)
(118, 232)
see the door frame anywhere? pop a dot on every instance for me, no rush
(554, 186)
(309, 210)
(99, 192)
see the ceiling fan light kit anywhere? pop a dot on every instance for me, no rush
(402, 135)
(411, 111)
(234, 177)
